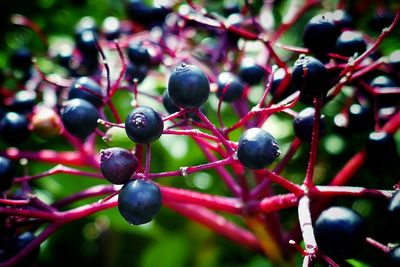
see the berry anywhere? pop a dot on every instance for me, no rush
(21, 59)
(138, 54)
(169, 106)
(303, 124)
(86, 43)
(6, 173)
(394, 60)
(64, 55)
(136, 72)
(144, 125)
(349, 43)
(250, 72)
(257, 148)
(231, 8)
(340, 232)
(87, 89)
(310, 76)
(279, 76)
(79, 117)
(320, 34)
(23, 101)
(360, 118)
(381, 84)
(188, 86)
(139, 201)
(230, 88)
(148, 16)
(393, 209)
(342, 19)
(14, 128)
(381, 148)
(22, 241)
(111, 28)
(85, 24)
(393, 258)
(45, 123)
(117, 164)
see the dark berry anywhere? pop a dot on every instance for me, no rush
(6, 173)
(230, 8)
(144, 125)
(111, 28)
(169, 106)
(148, 16)
(279, 75)
(257, 148)
(85, 24)
(139, 201)
(64, 55)
(250, 72)
(394, 208)
(79, 117)
(14, 128)
(235, 20)
(360, 118)
(45, 123)
(310, 76)
(87, 89)
(22, 241)
(136, 72)
(230, 88)
(382, 84)
(138, 54)
(188, 86)
(117, 164)
(381, 20)
(349, 43)
(342, 19)
(23, 101)
(340, 232)
(303, 124)
(320, 34)
(86, 43)
(393, 258)
(394, 60)
(21, 59)
(381, 148)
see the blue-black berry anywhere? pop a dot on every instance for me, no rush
(250, 72)
(138, 54)
(230, 88)
(381, 148)
(144, 125)
(21, 59)
(136, 72)
(349, 43)
(303, 124)
(79, 117)
(111, 28)
(87, 89)
(257, 148)
(320, 34)
(139, 201)
(14, 128)
(188, 86)
(23, 101)
(117, 164)
(6, 173)
(340, 232)
(393, 258)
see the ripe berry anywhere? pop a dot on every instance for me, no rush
(87, 89)
(136, 72)
(169, 106)
(381, 84)
(21, 59)
(342, 19)
(257, 148)
(117, 164)
(188, 86)
(230, 88)
(360, 118)
(393, 210)
(138, 54)
(381, 148)
(303, 124)
(23, 101)
(148, 16)
(139, 201)
(45, 123)
(230, 8)
(340, 232)
(6, 173)
(86, 43)
(310, 76)
(79, 117)
(144, 125)
(14, 128)
(393, 258)
(349, 43)
(250, 72)
(111, 28)
(86, 23)
(320, 34)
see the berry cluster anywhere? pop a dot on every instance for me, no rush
(338, 85)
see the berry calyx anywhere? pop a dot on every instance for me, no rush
(340, 232)
(139, 201)
(257, 148)
(188, 86)
(230, 88)
(144, 125)
(117, 164)
(79, 117)
(6, 173)
(87, 89)
(303, 124)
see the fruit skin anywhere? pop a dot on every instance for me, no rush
(188, 86)
(23, 101)
(139, 201)
(250, 72)
(393, 258)
(87, 89)
(349, 43)
(303, 124)
(310, 76)
(257, 148)
(79, 117)
(6, 173)
(144, 125)
(169, 106)
(340, 232)
(14, 128)
(134, 71)
(380, 147)
(138, 54)
(117, 164)
(233, 91)
(320, 34)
